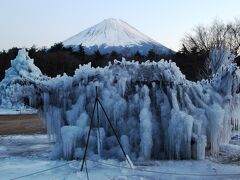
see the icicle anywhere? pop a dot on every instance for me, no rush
(146, 125)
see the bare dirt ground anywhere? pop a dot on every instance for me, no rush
(21, 124)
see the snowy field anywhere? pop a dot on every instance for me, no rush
(26, 156)
(7, 111)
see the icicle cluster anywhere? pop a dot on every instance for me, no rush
(156, 112)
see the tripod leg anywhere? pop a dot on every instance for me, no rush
(89, 132)
(98, 135)
(86, 170)
(115, 133)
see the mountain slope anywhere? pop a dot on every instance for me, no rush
(117, 35)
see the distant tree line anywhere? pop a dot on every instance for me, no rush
(192, 58)
(58, 59)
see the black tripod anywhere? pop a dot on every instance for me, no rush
(96, 103)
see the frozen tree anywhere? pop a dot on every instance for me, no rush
(218, 59)
(216, 36)
(213, 43)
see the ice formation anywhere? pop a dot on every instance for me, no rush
(18, 78)
(157, 113)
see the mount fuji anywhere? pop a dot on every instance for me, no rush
(115, 35)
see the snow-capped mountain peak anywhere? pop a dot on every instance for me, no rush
(115, 34)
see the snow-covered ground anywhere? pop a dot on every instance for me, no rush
(24, 146)
(7, 111)
(28, 155)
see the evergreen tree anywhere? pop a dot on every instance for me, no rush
(152, 55)
(138, 57)
(32, 50)
(184, 50)
(81, 51)
(113, 55)
(57, 47)
(98, 55)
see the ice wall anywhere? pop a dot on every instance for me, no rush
(156, 112)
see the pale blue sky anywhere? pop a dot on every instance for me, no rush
(44, 22)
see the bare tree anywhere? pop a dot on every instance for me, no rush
(233, 37)
(214, 42)
(216, 36)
